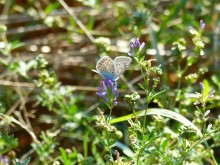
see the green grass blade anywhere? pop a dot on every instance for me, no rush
(162, 112)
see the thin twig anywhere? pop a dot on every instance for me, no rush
(13, 107)
(78, 22)
(77, 88)
(16, 84)
(9, 118)
(23, 100)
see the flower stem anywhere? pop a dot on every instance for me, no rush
(108, 134)
(198, 142)
(147, 93)
(110, 114)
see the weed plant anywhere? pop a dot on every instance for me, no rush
(162, 110)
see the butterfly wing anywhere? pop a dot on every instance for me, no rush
(121, 64)
(105, 68)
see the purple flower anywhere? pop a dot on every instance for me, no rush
(4, 160)
(202, 24)
(211, 94)
(108, 92)
(201, 86)
(132, 46)
(136, 46)
(137, 42)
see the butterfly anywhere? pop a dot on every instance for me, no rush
(112, 69)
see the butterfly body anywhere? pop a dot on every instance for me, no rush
(112, 69)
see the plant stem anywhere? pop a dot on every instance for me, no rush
(136, 118)
(146, 82)
(198, 142)
(147, 93)
(110, 114)
(179, 75)
(107, 133)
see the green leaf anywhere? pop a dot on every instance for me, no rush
(63, 155)
(206, 87)
(5, 137)
(158, 93)
(216, 81)
(141, 86)
(11, 137)
(91, 22)
(15, 44)
(51, 7)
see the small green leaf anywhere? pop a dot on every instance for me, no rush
(158, 93)
(206, 87)
(51, 7)
(216, 80)
(141, 86)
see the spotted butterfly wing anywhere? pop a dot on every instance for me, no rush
(105, 68)
(121, 64)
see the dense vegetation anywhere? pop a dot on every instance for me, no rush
(112, 82)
